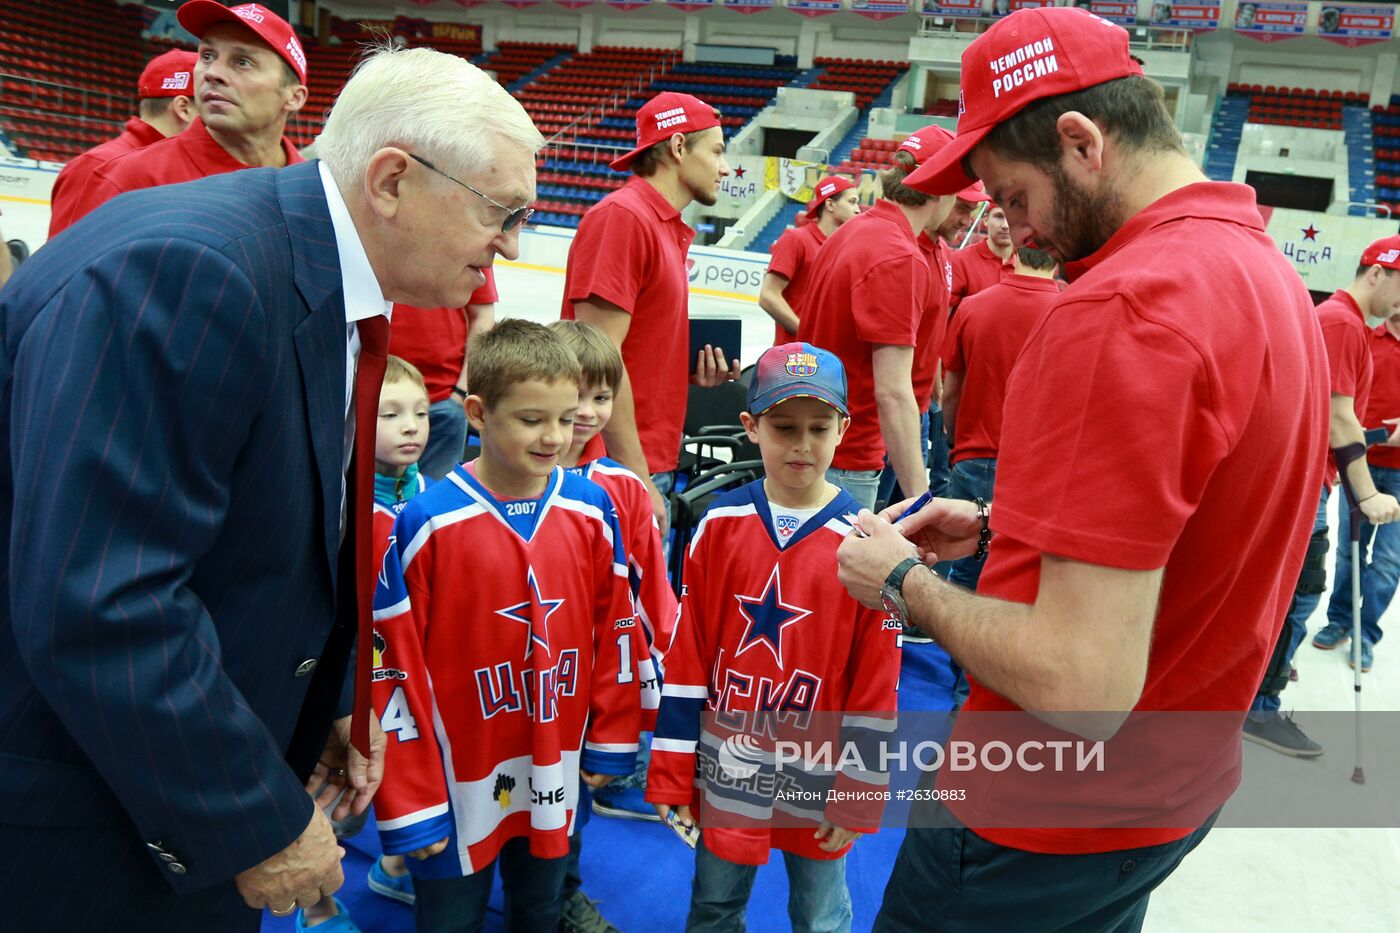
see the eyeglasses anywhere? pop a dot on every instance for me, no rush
(515, 216)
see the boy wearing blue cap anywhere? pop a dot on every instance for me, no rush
(765, 625)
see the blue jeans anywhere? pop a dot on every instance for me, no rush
(818, 900)
(533, 894)
(863, 485)
(971, 479)
(1296, 622)
(1380, 565)
(447, 436)
(954, 881)
(930, 426)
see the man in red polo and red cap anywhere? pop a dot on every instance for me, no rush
(250, 76)
(627, 275)
(165, 107)
(865, 302)
(981, 265)
(1136, 563)
(835, 200)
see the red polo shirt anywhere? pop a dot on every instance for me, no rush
(976, 268)
(1384, 401)
(182, 157)
(74, 177)
(791, 256)
(868, 288)
(933, 323)
(435, 339)
(1348, 355)
(1149, 423)
(984, 340)
(630, 251)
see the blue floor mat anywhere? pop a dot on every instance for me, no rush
(641, 873)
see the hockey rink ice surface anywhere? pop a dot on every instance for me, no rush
(1238, 880)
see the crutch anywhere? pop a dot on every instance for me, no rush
(1344, 456)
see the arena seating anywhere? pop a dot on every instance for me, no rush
(1301, 107)
(865, 79)
(514, 60)
(77, 74)
(1386, 126)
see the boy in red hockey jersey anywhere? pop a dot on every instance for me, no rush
(501, 622)
(765, 625)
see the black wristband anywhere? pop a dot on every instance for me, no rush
(460, 392)
(984, 537)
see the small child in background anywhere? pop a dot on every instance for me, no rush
(762, 606)
(503, 623)
(400, 437)
(653, 600)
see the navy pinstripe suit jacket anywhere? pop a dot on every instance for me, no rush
(171, 437)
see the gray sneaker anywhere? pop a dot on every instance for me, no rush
(1282, 734)
(580, 915)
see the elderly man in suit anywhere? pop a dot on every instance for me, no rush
(186, 374)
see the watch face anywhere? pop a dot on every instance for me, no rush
(893, 605)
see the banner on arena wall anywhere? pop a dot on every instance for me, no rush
(1003, 7)
(1351, 25)
(813, 8)
(574, 4)
(1200, 15)
(1122, 12)
(1270, 21)
(880, 9)
(747, 6)
(470, 4)
(521, 4)
(690, 6)
(465, 32)
(1322, 247)
(954, 9)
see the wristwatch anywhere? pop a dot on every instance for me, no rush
(891, 592)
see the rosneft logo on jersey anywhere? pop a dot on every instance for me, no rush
(504, 785)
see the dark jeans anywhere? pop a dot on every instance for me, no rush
(1380, 565)
(971, 479)
(1295, 623)
(533, 895)
(954, 881)
(447, 436)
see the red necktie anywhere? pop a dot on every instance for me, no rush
(369, 376)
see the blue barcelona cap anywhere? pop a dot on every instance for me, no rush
(797, 370)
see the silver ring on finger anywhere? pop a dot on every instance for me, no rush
(283, 911)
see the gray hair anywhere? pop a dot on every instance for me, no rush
(424, 100)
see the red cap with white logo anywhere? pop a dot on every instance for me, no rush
(168, 75)
(974, 194)
(1384, 252)
(921, 144)
(827, 188)
(660, 118)
(1031, 54)
(198, 15)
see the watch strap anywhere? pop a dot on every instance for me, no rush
(895, 581)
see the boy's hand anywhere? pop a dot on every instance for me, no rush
(596, 781)
(683, 813)
(711, 369)
(428, 851)
(836, 837)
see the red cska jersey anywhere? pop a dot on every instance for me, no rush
(500, 668)
(653, 601)
(765, 626)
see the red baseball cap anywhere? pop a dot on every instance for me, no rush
(1031, 54)
(1384, 252)
(170, 74)
(660, 118)
(923, 143)
(975, 193)
(826, 188)
(199, 15)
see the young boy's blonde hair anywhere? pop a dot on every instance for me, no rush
(398, 369)
(598, 356)
(516, 351)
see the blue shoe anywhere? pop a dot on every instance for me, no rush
(385, 884)
(1366, 658)
(340, 923)
(1330, 637)
(626, 803)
